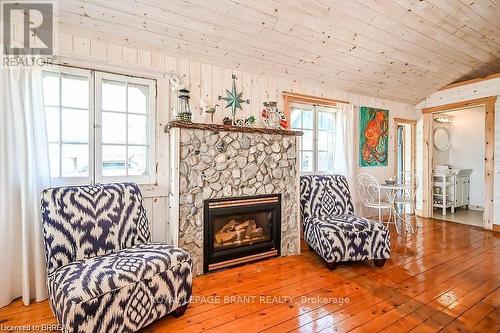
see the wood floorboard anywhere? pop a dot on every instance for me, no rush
(446, 277)
(490, 323)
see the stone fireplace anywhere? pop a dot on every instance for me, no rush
(213, 162)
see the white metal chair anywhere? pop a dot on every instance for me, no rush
(371, 196)
(408, 195)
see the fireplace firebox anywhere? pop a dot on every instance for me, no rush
(240, 230)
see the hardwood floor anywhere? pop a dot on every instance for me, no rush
(446, 277)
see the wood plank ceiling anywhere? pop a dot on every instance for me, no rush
(401, 50)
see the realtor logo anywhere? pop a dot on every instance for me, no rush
(28, 28)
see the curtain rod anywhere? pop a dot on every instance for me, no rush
(313, 99)
(100, 70)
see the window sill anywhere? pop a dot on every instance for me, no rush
(147, 190)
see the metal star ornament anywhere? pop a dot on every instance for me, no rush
(234, 99)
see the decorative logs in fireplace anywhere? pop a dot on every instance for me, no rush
(240, 230)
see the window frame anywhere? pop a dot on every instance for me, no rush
(150, 178)
(60, 180)
(315, 108)
(95, 129)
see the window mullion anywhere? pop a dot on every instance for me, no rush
(98, 172)
(60, 125)
(126, 128)
(333, 138)
(92, 137)
(315, 139)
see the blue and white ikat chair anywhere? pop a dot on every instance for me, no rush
(330, 227)
(104, 273)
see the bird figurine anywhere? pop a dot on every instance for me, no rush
(208, 109)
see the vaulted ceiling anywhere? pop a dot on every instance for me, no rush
(401, 50)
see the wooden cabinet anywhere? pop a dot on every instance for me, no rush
(462, 189)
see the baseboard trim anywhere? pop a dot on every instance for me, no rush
(496, 227)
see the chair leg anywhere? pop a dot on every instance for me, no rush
(379, 262)
(401, 225)
(331, 265)
(180, 311)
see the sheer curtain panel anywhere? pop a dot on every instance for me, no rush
(24, 172)
(344, 145)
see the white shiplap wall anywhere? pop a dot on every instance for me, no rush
(208, 81)
(480, 89)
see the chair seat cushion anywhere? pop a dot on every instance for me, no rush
(122, 291)
(86, 279)
(345, 223)
(347, 238)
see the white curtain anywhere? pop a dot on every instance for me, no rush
(24, 172)
(344, 145)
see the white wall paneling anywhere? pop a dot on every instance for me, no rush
(208, 81)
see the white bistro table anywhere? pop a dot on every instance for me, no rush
(391, 191)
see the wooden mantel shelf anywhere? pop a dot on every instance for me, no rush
(216, 127)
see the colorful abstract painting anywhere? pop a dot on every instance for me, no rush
(374, 136)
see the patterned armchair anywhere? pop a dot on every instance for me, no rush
(330, 227)
(104, 274)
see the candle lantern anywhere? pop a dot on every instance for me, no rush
(183, 110)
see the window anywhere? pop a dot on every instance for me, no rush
(67, 100)
(125, 132)
(318, 141)
(109, 138)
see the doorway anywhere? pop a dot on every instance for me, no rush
(404, 146)
(458, 165)
(489, 150)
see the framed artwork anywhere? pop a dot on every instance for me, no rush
(373, 137)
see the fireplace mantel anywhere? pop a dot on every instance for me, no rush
(213, 162)
(226, 128)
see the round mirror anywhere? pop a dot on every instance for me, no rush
(442, 139)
